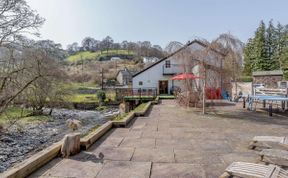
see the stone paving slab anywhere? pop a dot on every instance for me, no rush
(125, 169)
(112, 153)
(157, 134)
(160, 170)
(175, 143)
(138, 142)
(192, 156)
(40, 172)
(112, 141)
(124, 133)
(154, 155)
(75, 168)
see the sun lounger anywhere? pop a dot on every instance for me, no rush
(266, 142)
(251, 170)
(274, 156)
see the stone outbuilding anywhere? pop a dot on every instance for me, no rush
(270, 79)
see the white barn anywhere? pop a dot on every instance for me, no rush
(158, 74)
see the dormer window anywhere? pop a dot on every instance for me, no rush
(167, 64)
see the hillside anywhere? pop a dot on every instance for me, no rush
(100, 55)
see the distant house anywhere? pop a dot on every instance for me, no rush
(150, 59)
(115, 58)
(124, 77)
(159, 73)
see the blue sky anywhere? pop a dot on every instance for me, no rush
(158, 21)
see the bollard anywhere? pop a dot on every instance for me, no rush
(244, 103)
(264, 103)
(270, 109)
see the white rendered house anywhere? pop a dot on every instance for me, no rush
(159, 74)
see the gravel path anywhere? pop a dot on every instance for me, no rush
(19, 144)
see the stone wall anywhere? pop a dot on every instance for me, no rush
(268, 81)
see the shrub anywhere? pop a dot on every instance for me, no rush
(101, 95)
(101, 108)
(245, 79)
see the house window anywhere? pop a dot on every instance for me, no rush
(167, 64)
(140, 83)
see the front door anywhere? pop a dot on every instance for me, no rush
(163, 87)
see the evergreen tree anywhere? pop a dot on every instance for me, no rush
(271, 45)
(279, 44)
(283, 51)
(268, 49)
(248, 57)
(284, 62)
(261, 61)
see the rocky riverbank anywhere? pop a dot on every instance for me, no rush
(20, 143)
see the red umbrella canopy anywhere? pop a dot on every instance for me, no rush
(185, 76)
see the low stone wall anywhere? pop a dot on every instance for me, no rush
(268, 81)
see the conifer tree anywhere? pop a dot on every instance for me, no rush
(248, 57)
(280, 43)
(271, 46)
(261, 61)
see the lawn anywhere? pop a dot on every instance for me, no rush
(77, 86)
(138, 97)
(166, 97)
(90, 98)
(87, 55)
(83, 98)
(13, 113)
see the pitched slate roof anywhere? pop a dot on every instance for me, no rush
(126, 72)
(184, 47)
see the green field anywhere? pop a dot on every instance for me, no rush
(87, 55)
(78, 86)
(83, 98)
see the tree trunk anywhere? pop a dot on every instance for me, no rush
(71, 145)
(204, 93)
(50, 112)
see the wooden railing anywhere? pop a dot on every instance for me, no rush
(136, 92)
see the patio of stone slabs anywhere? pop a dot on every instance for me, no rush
(171, 142)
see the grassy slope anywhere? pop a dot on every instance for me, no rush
(93, 55)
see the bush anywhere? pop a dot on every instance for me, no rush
(245, 79)
(101, 108)
(101, 95)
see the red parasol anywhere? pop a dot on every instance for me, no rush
(185, 76)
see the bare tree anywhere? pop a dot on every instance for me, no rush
(16, 19)
(233, 48)
(203, 60)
